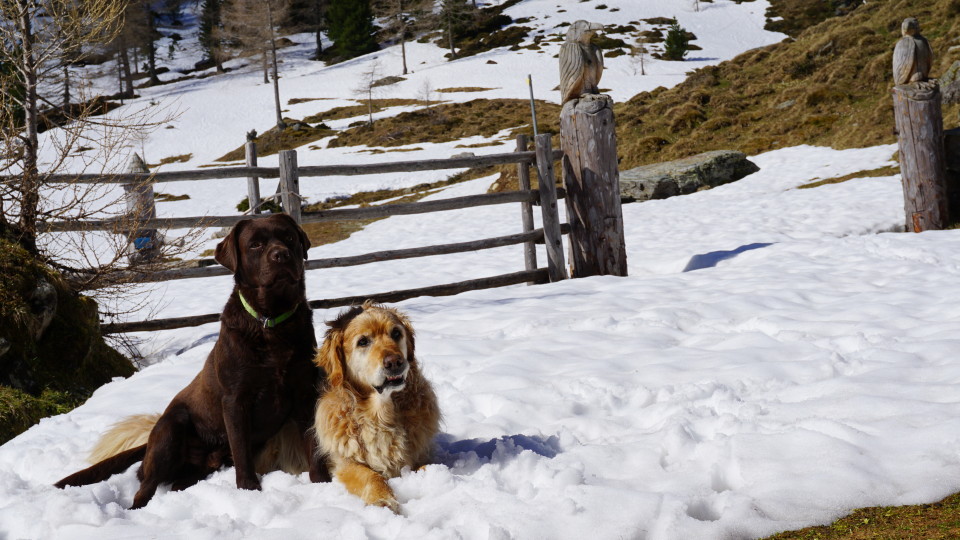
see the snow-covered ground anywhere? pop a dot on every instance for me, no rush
(776, 357)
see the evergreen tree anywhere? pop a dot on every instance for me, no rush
(350, 26)
(676, 44)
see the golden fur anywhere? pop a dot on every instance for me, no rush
(370, 425)
(128, 433)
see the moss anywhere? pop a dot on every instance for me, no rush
(54, 373)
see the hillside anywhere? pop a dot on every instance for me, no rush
(828, 86)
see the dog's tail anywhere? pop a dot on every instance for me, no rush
(105, 469)
(130, 432)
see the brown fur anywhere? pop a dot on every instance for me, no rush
(254, 382)
(370, 436)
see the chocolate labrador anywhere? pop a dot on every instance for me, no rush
(259, 375)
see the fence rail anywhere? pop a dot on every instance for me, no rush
(541, 158)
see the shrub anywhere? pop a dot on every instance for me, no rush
(676, 45)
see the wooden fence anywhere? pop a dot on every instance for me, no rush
(290, 173)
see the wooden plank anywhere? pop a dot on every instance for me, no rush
(340, 262)
(539, 275)
(372, 212)
(290, 185)
(548, 208)
(253, 182)
(919, 121)
(526, 208)
(308, 171)
(592, 180)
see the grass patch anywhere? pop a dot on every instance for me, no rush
(463, 89)
(182, 158)
(451, 122)
(296, 101)
(274, 140)
(354, 111)
(940, 520)
(166, 197)
(873, 173)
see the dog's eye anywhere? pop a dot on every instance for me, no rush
(256, 245)
(363, 341)
(396, 334)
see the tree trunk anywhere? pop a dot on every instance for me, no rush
(127, 76)
(151, 47)
(318, 14)
(453, 52)
(592, 180)
(265, 65)
(30, 190)
(403, 35)
(66, 85)
(922, 164)
(276, 82)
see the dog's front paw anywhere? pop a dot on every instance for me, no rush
(390, 503)
(249, 483)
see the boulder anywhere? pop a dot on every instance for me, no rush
(687, 175)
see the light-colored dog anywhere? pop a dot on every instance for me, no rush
(377, 414)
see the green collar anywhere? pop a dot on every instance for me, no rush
(266, 322)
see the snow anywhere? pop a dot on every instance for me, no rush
(775, 358)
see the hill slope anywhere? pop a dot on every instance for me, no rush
(828, 86)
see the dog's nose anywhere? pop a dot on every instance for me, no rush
(393, 363)
(280, 255)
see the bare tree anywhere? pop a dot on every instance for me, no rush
(368, 85)
(638, 54)
(38, 172)
(248, 25)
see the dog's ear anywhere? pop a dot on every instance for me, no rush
(330, 358)
(228, 250)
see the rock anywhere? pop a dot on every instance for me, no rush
(950, 84)
(687, 175)
(463, 155)
(43, 306)
(387, 81)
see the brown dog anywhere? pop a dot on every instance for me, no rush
(377, 414)
(258, 377)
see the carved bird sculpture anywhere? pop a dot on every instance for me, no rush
(581, 63)
(912, 57)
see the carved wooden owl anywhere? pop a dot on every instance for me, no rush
(912, 57)
(581, 63)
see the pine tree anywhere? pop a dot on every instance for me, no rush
(350, 24)
(675, 46)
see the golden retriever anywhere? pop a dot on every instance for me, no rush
(377, 413)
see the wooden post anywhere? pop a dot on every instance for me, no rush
(592, 180)
(290, 184)
(526, 209)
(916, 108)
(548, 207)
(253, 182)
(143, 244)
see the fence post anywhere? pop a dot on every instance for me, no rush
(143, 244)
(548, 207)
(526, 209)
(591, 177)
(253, 182)
(290, 184)
(919, 123)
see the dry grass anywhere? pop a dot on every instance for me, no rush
(829, 86)
(273, 141)
(361, 110)
(182, 158)
(873, 173)
(937, 521)
(451, 122)
(464, 89)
